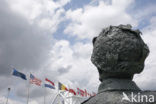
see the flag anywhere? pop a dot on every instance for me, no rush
(62, 87)
(88, 94)
(34, 80)
(80, 92)
(50, 84)
(93, 93)
(85, 93)
(19, 74)
(72, 91)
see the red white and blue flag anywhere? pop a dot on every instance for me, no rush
(34, 80)
(49, 84)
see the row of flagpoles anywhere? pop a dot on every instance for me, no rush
(50, 84)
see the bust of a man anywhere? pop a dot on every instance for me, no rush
(118, 53)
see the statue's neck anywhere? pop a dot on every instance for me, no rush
(114, 84)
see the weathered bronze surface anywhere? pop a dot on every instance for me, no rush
(118, 53)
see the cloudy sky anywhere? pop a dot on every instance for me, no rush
(52, 38)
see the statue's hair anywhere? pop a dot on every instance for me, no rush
(119, 49)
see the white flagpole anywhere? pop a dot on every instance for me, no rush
(44, 94)
(55, 98)
(28, 91)
(8, 95)
(44, 91)
(70, 99)
(58, 90)
(58, 93)
(9, 88)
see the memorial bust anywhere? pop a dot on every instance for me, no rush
(118, 53)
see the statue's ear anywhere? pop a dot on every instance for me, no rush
(94, 39)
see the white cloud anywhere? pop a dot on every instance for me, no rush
(45, 13)
(23, 45)
(83, 50)
(145, 12)
(63, 2)
(27, 44)
(88, 21)
(82, 72)
(146, 80)
(51, 23)
(10, 101)
(69, 63)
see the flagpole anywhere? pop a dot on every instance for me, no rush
(44, 92)
(58, 88)
(28, 91)
(44, 88)
(8, 95)
(28, 94)
(58, 93)
(70, 100)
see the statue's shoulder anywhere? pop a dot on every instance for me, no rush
(90, 100)
(123, 97)
(107, 97)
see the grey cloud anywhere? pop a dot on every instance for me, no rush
(150, 85)
(64, 70)
(22, 45)
(33, 93)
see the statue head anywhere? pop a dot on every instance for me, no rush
(119, 52)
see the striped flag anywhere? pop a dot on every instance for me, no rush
(72, 91)
(80, 92)
(62, 87)
(34, 80)
(49, 84)
(85, 93)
